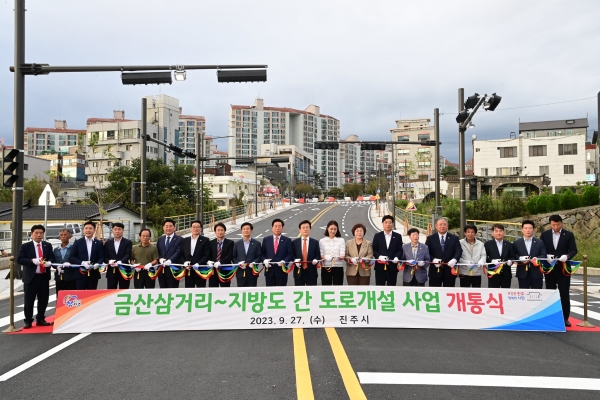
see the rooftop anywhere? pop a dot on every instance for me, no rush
(559, 124)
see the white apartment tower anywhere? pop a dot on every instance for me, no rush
(191, 129)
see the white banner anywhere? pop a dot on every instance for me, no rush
(307, 307)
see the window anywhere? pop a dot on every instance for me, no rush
(127, 162)
(568, 169)
(109, 163)
(25, 167)
(423, 136)
(504, 171)
(424, 164)
(403, 138)
(220, 188)
(424, 150)
(484, 172)
(403, 152)
(128, 147)
(537, 151)
(567, 149)
(544, 170)
(507, 152)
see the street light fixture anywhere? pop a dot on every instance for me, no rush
(179, 74)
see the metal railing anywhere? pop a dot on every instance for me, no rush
(512, 230)
(415, 219)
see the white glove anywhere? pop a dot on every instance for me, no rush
(196, 265)
(148, 266)
(210, 263)
(563, 258)
(162, 260)
(550, 257)
(112, 263)
(481, 262)
(524, 258)
(297, 261)
(328, 258)
(266, 263)
(315, 261)
(138, 269)
(66, 265)
(187, 264)
(382, 258)
(395, 260)
(436, 261)
(495, 261)
(421, 263)
(48, 264)
(242, 265)
(119, 263)
(95, 266)
(85, 264)
(354, 260)
(59, 269)
(509, 263)
(36, 261)
(217, 264)
(452, 263)
(167, 263)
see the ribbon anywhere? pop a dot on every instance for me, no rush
(491, 270)
(228, 274)
(570, 267)
(204, 272)
(255, 268)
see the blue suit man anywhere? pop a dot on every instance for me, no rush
(530, 277)
(274, 275)
(443, 246)
(306, 250)
(87, 251)
(415, 276)
(169, 251)
(246, 250)
(387, 273)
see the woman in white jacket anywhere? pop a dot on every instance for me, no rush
(333, 250)
(473, 253)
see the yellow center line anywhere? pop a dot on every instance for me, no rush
(353, 387)
(304, 387)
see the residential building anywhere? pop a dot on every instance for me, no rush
(577, 126)
(191, 129)
(300, 161)
(252, 126)
(559, 155)
(59, 139)
(350, 163)
(32, 166)
(67, 166)
(163, 112)
(225, 188)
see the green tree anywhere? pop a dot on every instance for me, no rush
(353, 190)
(302, 189)
(590, 196)
(448, 170)
(336, 192)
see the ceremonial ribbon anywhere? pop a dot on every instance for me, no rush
(570, 267)
(491, 269)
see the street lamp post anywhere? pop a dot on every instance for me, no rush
(143, 164)
(461, 162)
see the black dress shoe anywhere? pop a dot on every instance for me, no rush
(43, 323)
(567, 323)
(27, 325)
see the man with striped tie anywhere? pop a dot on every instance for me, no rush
(221, 253)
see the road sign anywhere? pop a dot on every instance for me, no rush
(378, 191)
(411, 206)
(51, 198)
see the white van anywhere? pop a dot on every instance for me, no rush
(53, 230)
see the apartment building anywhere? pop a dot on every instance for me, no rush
(191, 129)
(59, 139)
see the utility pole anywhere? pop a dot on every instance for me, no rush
(461, 162)
(436, 134)
(143, 163)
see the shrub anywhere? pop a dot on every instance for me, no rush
(590, 196)
(569, 200)
(532, 205)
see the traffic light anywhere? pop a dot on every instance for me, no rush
(492, 102)
(135, 192)
(372, 146)
(473, 189)
(10, 163)
(327, 145)
(192, 197)
(176, 149)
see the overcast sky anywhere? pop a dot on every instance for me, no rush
(366, 63)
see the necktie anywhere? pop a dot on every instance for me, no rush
(219, 246)
(414, 249)
(167, 243)
(443, 242)
(304, 250)
(276, 244)
(41, 257)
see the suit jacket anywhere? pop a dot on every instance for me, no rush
(566, 244)
(285, 253)
(174, 252)
(124, 254)
(366, 251)
(313, 253)
(422, 255)
(226, 251)
(254, 252)
(201, 251)
(69, 274)
(380, 248)
(80, 254)
(508, 253)
(467, 258)
(537, 250)
(452, 250)
(28, 252)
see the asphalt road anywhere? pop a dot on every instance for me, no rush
(265, 364)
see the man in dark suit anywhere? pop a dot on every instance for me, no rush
(275, 249)
(65, 276)
(246, 251)
(221, 253)
(87, 252)
(561, 243)
(117, 251)
(387, 246)
(499, 250)
(169, 251)
(527, 247)
(307, 254)
(36, 257)
(443, 247)
(194, 250)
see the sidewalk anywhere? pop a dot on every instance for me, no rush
(375, 216)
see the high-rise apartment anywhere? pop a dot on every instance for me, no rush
(52, 140)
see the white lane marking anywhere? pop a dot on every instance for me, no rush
(52, 298)
(18, 316)
(538, 382)
(267, 230)
(346, 234)
(576, 303)
(42, 357)
(591, 314)
(258, 236)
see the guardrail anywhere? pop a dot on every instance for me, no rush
(512, 230)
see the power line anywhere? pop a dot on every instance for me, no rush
(546, 104)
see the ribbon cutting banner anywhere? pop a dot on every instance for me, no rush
(314, 307)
